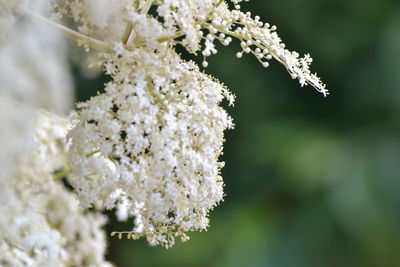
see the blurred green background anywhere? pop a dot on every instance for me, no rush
(310, 181)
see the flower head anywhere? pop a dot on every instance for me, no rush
(150, 144)
(195, 25)
(42, 223)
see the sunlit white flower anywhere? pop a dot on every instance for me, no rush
(195, 25)
(150, 144)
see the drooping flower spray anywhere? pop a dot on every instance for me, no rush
(148, 146)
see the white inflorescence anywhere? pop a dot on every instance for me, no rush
(195, 25)
(103, 19)
(41, 222)
(150, 144)
(26, 80)
(259, 39)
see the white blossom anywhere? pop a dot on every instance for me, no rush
(33, 74)
(150, 144)
(261, 40)
(41, 222)
(147, 147)
(193, 24)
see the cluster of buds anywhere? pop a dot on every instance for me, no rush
(257, 38)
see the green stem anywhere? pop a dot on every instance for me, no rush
(92, 153)
(132, 34)
(92, 42)
(261, 45)
(127, 32)
(61, 174)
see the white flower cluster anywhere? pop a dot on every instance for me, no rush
(257, 38)
(26, 80)
(101, 19)
(147, 146)
(150, 144)
(188, 23)
(41, 222)
(184, 18)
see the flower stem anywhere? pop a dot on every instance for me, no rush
(61, 174)
(127, 33)
(131, 37)
(92, 42)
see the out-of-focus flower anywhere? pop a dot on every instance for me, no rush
(33, 74)
(41, 222)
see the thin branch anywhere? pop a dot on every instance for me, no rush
(92, 42)
(132, 33)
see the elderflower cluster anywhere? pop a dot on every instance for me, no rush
(150, 144)
(26, 80)
(41, 222)
(103, 19)
(195, 25)
(259, 39)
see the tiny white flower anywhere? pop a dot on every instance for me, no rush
(163, 131)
